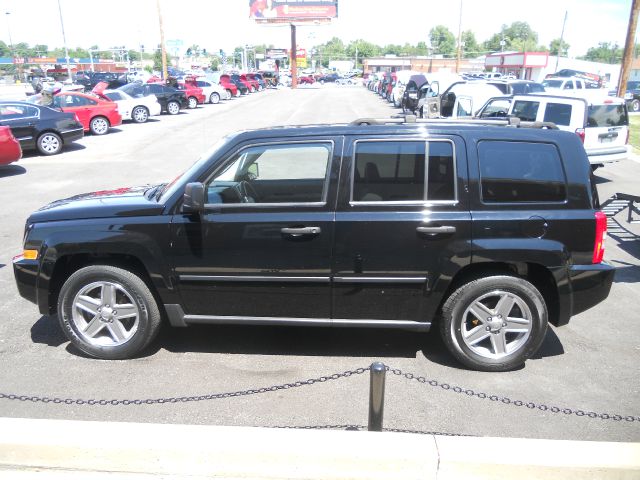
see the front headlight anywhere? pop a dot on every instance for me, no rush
(628, 96)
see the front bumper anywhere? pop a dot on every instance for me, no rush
(26, 275)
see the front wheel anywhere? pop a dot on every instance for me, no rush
(214, 98)
(108, 312)
(635, 105)
(49, 143)
(140, 114)
(173, 108)
(193, 102)
(99, 125)
(495, 323)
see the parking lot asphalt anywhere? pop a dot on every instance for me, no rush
(589, 365)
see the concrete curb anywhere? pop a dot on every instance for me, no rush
(70, 450)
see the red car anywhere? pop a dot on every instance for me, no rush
(226, 83)
(95, 114)
(306, 79)
(10, 150)
(251, 83)
(194, 93)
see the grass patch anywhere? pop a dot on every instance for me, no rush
(634, 132)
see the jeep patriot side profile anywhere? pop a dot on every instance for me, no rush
(485, 232)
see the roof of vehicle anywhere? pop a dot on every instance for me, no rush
(589, 96)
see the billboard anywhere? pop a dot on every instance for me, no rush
(273, 11)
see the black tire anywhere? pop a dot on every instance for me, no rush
(173, 107)
(229, 93)
(49, 143)
(214, 98)
(140, 114)
(635, 105)
(148, 316)
(192, 103)
(457, 315)
(99, 125)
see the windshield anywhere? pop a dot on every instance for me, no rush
(552, 83)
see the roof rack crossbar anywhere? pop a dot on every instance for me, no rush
(513, 122)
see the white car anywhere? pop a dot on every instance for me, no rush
(213, 92)
(138, 109)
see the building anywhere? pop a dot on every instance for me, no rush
(392, 63)
(537, 65)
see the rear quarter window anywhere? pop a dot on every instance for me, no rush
(520, 172)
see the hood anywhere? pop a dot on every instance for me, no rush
(122, 202)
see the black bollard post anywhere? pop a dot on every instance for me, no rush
(376, 396)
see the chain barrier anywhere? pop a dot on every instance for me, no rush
(364, 428)
(508, 401)
(325, 378)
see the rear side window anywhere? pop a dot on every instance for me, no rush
(388, 171)
(520, 172)
(558, 113)
(525, 110)
(607, 116)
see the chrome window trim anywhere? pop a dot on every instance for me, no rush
(425, 201)
(234, 154)
(379, 279)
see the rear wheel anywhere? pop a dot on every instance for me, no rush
(108, 312)
(229, 94)
(49, 143)
(193, 102)
(214, 98)
(635, 105)
(494, 323)
(99, 125)
(173, 108)
(140, 114)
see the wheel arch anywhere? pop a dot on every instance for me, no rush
(541, 277)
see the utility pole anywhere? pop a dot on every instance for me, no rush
(628, 48)
(162, 47)
(459, 41)
(564, 22)
(64, 40)
(294, 55)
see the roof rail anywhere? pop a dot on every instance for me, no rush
(401, 119)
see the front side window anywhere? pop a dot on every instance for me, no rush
(525, 110)
(391, 171)
(520, 172)
(497, 108)
(273, 174)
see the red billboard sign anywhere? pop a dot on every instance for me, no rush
(289, 10)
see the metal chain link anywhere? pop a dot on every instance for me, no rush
(507, 401)
(199, 398)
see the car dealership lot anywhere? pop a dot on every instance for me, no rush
(588, 365)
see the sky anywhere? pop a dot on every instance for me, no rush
(225, 24)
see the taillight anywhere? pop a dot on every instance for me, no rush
(601, 234)
(580, 132)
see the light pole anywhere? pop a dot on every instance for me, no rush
(13, 56)
(64, 41)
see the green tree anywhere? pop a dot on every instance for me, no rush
(443, 42)
(215, 62)
(555, 49)
(365, 49)
(157, 60)
(392, 49)
(605, 52)
(518, 36)
(134, 56)
(471, 47)
(5, 51)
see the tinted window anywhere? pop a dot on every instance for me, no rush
(135, 90)
(287, 173)
(389, 172)
(8, 112)
(633, 85)
(558, 113)
(114, 96)
(552, 83)
(496, 108)
(154, 88)
(520, 172)
(441, 174)
(535, 87)
(525, 110)
(607, 116)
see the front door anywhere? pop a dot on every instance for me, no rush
(402, 225)
(262, 249)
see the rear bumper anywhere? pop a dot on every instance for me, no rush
(72, 135)
(600, 157)
(590, 285)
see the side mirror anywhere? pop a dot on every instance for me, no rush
(193, 199)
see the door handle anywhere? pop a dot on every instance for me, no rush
(436, 230)
(300, 231)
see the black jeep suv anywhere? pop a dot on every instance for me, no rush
(486, 231)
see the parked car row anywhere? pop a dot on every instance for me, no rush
(599, 120)
(47, 123)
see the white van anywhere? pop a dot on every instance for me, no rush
(600, 121)
(568, 83)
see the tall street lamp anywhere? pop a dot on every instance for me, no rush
(10, 40)
(64, 40)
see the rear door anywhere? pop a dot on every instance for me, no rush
(402, 223)
(22, 120)
(607, 127)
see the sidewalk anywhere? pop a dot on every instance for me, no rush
(70, 450)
